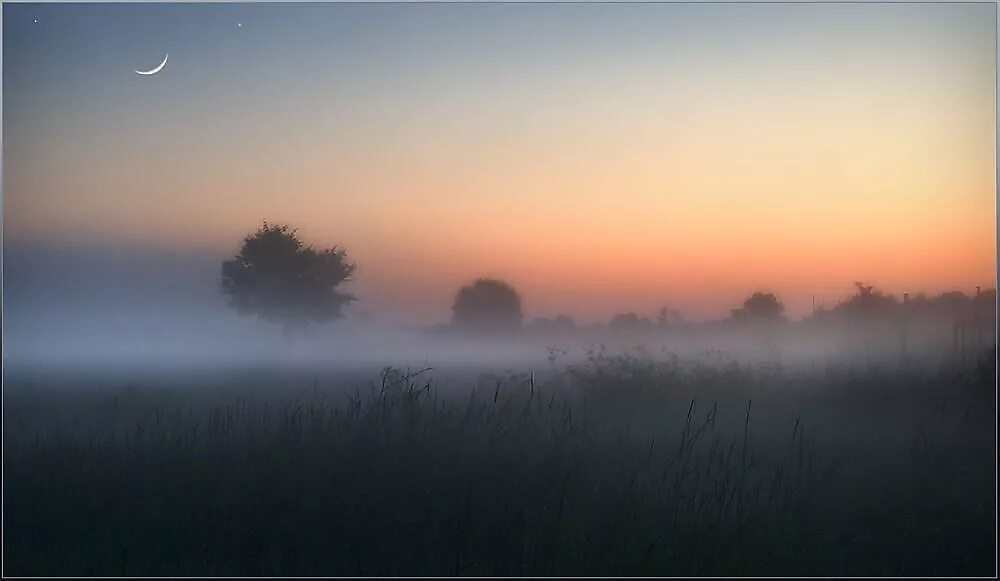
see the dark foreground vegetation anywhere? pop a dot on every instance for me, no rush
(619, 465)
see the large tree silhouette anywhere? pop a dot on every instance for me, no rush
(487, 305)
(278, 279)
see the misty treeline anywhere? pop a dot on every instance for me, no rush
(279, 278)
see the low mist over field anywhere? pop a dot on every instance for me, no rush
(100, 306)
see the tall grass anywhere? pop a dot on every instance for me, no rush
(619, 466)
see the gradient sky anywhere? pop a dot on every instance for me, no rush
(602, 158)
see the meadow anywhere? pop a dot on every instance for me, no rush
(624, 463)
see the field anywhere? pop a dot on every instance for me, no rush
(612, 464)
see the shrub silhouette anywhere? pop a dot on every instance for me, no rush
(560, 325)
(280, 280)
(870, 303)
(564, 324)
(669, 317)
(629, 323)
(487, 305)
(760, 307)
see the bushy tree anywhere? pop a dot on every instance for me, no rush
(487, 305)
(668, 317)
(629, 323)
(279, 279)
(871, 303)
(760, 307)
(564, 324)
(560, 325)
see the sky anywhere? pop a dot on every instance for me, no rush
(601, 158)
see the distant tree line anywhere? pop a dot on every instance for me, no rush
(278, 278)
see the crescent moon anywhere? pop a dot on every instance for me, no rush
(156, 70)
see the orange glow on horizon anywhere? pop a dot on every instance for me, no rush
(686, 176)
